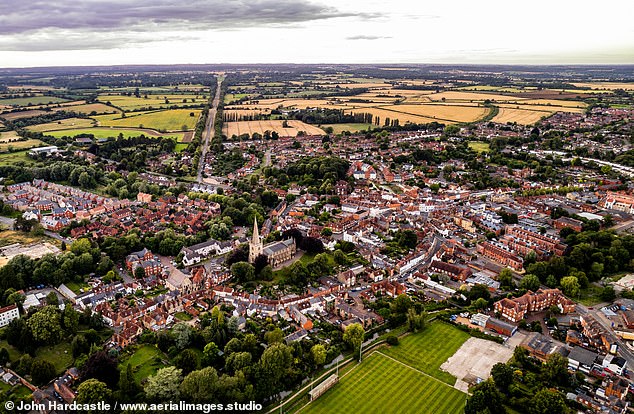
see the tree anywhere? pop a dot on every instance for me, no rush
(139, 272)
(502, 375)
(480, 304)
(182, 334)
(200, 386)
(318, 353)
(548, 401)
(415, 321)
(210, 354)
(353, 335)
(187, 361)
(485, 399)
(530, 282)
(608, 294)
(103, 367)
(4, 356)
(52, 299)
(45, 325)
(401, 304)
(127, 384)
(570, 285)
(243, 271)
(506, 279)
(42, 371)
(276, 335)
(479, 291)
(555, 370)
(70, 319)
(274, 363)
(238, 361)
(163, 386)
(93, 391)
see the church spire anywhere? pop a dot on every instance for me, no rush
(256, 233)
(255, 247)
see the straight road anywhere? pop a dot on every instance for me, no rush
(209, 129)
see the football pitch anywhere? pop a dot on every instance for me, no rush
(401, 379)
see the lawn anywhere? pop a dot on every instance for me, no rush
(13, 158)
(77, 287)
(112, 133)
(180, 147)
(382, 385)
(479, 146)
(20, 145)
(170, 120)
(339, 128)
(60, 355)
(182, 316)
(145, 361)
(429, 349)
(33, 100)
(590, 296)
(14, 354)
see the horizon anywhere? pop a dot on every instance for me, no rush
(100, 33)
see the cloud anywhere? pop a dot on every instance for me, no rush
(367, 37)
(20, 16)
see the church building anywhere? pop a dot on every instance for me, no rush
(277, 252)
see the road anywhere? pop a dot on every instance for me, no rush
(209, 129)
(267, 159)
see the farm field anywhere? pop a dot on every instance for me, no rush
(131, 103)
(20, 145)
(63, 124)
(10, 116)
(7, 135)
(88, 109)
(13, 158)
(383, 114)
(114, 132)
(472, 97)
(383, 385)
(452, 113)
(169, 120)
(339, 128)
(32, 100)
(429, 349)
(521, 116)
(250, 127)
(610, 86)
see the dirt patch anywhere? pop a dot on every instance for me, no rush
(189, 135)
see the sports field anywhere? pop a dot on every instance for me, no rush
(401, 379)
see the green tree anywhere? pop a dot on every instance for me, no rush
(127, 384)
(555, 370)
(200, 386)
(139, 272)
(163, 386)
(502, 375)
(42, 371)
(45, 325)
(318, 353)
(93, 391)
(530, 282)
(70, 319)
(480, 304)
(485, 399)
(52, 299)
(243, 271)
(276, 335)
(548, 401)
(570, 285)
(353, 335)
(401, 304)
(210, 354)
(274, 363)
(506, 279)
(416, 321)
(183, 334)
(187, 361)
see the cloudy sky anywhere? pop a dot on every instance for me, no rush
(109, 32)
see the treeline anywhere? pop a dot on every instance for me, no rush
(42, 119)
(330, 116)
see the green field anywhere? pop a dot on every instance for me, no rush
(352, 127)
(132, 103)
(20, 145)
(429, 349)
(479, 146)
(382, 385)
(12, 158)
(145, 361)
(113, 133)
(169, 120)
(180, 147)
(33, 100)
(60, 355)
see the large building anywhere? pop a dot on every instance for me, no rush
(7, 314)
(515, 309)
(277, 252)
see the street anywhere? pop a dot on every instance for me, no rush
(209, 129)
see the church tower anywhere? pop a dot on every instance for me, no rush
(255, 246)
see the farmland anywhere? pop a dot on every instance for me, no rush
(250, 127)
(339, 128)
(19, 145)
(63, 124)
(132, 103)
(169, 120)
(113, 133)
(451, 113)
(405, 378)
(520, 116)
(89, 109)
(15, 158)
(31, 100)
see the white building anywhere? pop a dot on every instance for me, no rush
(7, 314)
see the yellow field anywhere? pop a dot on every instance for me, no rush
(129, 103)
(249, 127)
(521, 116)
(21, 114)
(5, 136)
(555, 102)
(168, 120)
(87, 109)
(402, 118)
(606, 85)
(63, 124)
(543, 108)
(19, 145)
(472, 96)
(443, 112)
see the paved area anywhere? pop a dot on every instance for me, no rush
(475, 358)
(34, 251)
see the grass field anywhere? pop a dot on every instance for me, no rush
(88, 109)
(521, 116)
(13, 158)
(33, 100)
(20, 145)
(479, 146)
(427, 350)
(382, 385)
(249, 127)
(21, 114)
(60, 355)
(63, 124)
(145, 361)
(606, 85)
(339, 128)
(8, 135)
(114, 132)
(131, 103)
(169, 120)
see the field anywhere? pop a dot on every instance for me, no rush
(250, 127)
(452, 113)
(20, 145)
(479, 146)
(33, 100)
(88, 109)
(521, 116)
(339, 128)
(13, 158)
(401, 379)
(132, 103)
(145, 361)
(60, 355)
(169, 120)
(63, 124)
(610, 86)
(21, 114)
(113, 133)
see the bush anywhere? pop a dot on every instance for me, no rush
(392, 340)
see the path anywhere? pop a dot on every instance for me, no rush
(209, 129)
